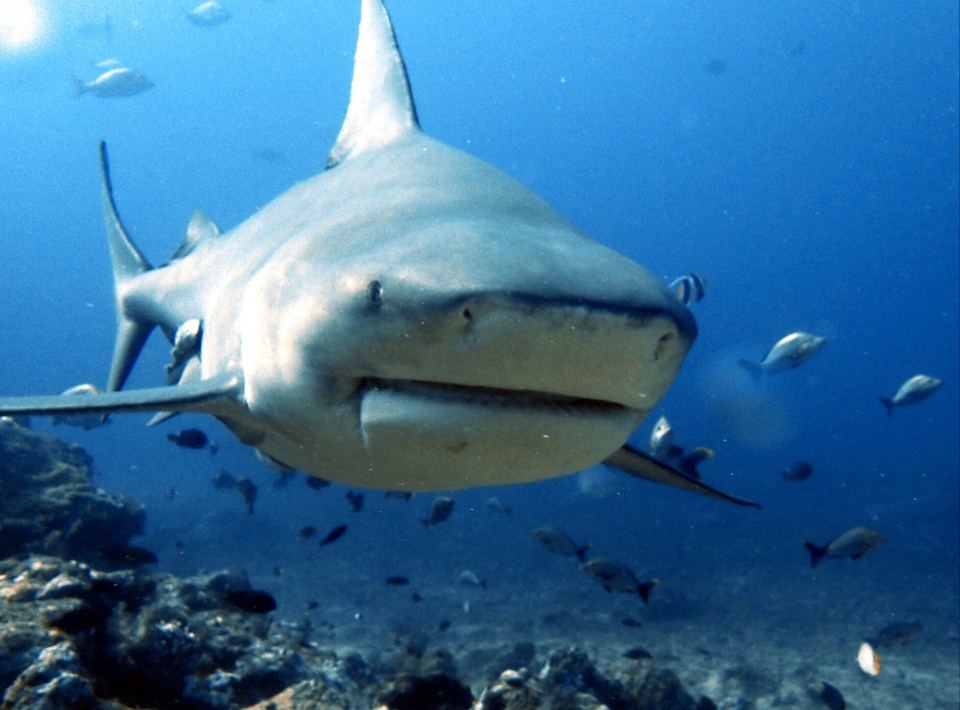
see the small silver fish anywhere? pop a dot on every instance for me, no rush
(914, 390)
(559, 543)
(690, 288)
(115, 83)
(616, 576)
(662, 447)
(208, 14)
(854, 543)
(470, 579)
(81, 421)
(498, 506)
(790, 351)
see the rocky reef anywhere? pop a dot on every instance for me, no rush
(84, 625)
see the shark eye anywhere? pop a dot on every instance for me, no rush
(374, 290)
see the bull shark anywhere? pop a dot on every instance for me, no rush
(411, 318)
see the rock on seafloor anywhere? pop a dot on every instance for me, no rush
(84, 627)
(48, 504)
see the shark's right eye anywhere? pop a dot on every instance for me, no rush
(374, 290)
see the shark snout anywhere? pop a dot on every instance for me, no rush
(576, 348)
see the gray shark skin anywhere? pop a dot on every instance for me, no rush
(410, 318)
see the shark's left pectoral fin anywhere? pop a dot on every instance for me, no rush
(638, 464)
(211, 396)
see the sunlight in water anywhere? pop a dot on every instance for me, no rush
(21, 25)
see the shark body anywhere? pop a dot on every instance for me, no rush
(410, 318)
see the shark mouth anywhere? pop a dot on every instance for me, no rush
(486, 435)
(493, 398)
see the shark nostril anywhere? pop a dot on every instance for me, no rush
(663, 345)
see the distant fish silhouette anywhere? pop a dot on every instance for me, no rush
(717, 67)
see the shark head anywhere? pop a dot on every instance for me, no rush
(464, 333)
(410, 318)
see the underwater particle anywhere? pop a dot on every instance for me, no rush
(397, 581)
(416, 597)
(440, 510)
(797, 471)
(868, 659)
(306, 532)
(637, 653)
(830, 696)
(252, 600)
(854, 543)
(559, 543)
(334, 535)
(189, 439)
(913, 391)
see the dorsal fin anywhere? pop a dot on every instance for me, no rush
(199, 227)
(381, 108)
(128, 263)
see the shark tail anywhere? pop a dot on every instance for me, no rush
(816, 553)
(888, 403)
(128, 263)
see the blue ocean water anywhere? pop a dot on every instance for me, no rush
(802, 156)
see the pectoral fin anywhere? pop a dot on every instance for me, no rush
(636, 463)
(212, 396)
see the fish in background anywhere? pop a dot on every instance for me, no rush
(83, 421)
(868, 659)
(114, 83)
(690, 288)
(828, 695)
(559, 543)
(189, 439)
(789, 352)
(616, 576)
(498, 506)
(854, 543)
(440, 510)
(355, 500)
(208, 14)
(913, 391)
(663, 449)
(334, 535)
(898, 634)
(248, 491)
(797, 471)
(469, 578)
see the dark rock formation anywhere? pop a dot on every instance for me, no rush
(49, 506)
